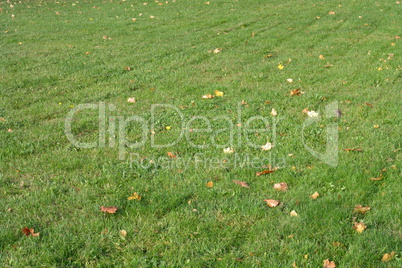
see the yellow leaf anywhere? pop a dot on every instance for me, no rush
(281, 67)
(210, 184)
(267, 146)
(315, 195)
(273, 112)
(168, 127)
(218, 93)
(321, 57)
(359, 227)
(293, 213)
(135, 196)
(387, 257)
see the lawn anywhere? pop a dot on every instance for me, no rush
(180, 119)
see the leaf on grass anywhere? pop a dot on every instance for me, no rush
(315, 195)
(210, 184)
(272, 203)
(273, 112)
(123, 233)
(331, 13)
(376, 179)
(352, 149)
(108, 209)
(171, 155)
(360, 209)
(296, 92)
(328, 66)
(131, 100)
(135, 196)
(228, 150)
(321, 57)
(264, 172)
(242, 183)
(282, 186)
(268, 146)
(387, 257)
(29, 231)
(208, 96)
(359, 227)
(370, 105)
(294, 265)
(127, 68)
(281, 67)
(329, 264)
(293, 213)
(218, 93)
(312, 114)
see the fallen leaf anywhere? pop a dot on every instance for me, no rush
(337, 244)
(281, 67)
(108, 209)
(123, 233)
(268, 146)
(296, 92)
(135, 196)
(293, 213)
(331, 13)
(329, 264)
(289, 80)
(131, 100)
(29, 231)
(360, 209)
(352, 149)
(312, 114)
(218, 93)
(315, 195)
(269, 56)
(242, 183)
(387, 257)
(208, 96)
(264, 172)
(368, 104)
(168, 127)
(273, 112)
(328, 66)
(376, 179)
(321, 57)
(127, 68)
(272, 203)
(376, 126)
(282, 186)
(217, 50)
(210, 184)
(228, 150)
(359, 227)
(3, 119)
(171, 155)
(294, 265)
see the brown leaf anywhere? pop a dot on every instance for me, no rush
(210, 184)
(282, 186)
(360, 209)
(352, 149)
(127, 68)
(296, 92)
(264, 172)
(135, 196)
(376, 179)
(368, 104)
(328, 66)
(208, 96)
(329, 264)
(29, 231)
(171, 155)
(321, 57)
(387, 257)
(242, 183)
(108, 209)
(359, 227)
(315, 195)
(272, 203)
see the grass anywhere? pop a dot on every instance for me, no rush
(58, 55)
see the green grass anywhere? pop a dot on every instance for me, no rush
(54, 57)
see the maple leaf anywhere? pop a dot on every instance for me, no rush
(208, 96)
(296, 92)
(315, 195)
(29, 231)
(272, 203)
(387, 257)
(329, 264)
(267, 146)
(108, 209)
(218, 93)
(135, 196)
(210, 184)
(242, 183)
(282, 186)
(360, 209)
(171, 155)
(359, 227)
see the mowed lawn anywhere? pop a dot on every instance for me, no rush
(157, 112)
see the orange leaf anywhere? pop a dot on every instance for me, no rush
(210, 184)
(359, 227)
(282, 186)
(376, 179)
(29, 231)
(329, 264)
(368, 104)
(315, 195)
(272, 203)
(264, 172)
(108, 209)
(242, 183)
(135, 196)
(360, 209)
(296, 92)
(171, 155)
(208, 96)
(352, 149)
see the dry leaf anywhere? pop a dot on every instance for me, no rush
(135, 196)
(331, 13)
(321, 57)
(210, 184)
(296, 92)
(208, 96)
(242, 183)
(312, 114)
(272, 203)
(217, 50)
(273, 112)
(123, 233)
(293, 213)
(359, 227)
(228, 150)
(131, 100)
(108, 209)
(315, 195)
(387, 257)
(282, 186)
(268, 56)
(127, 68)
(264, 172)
(360, 209)
(289, 80)
(171, 155)
(267, 146)
(218, 93)
(281, 67)
(329, 264)
(376, 179)
(352, 149)
(294, 265)
(29, 231)
(328, 66)
(370, 105)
